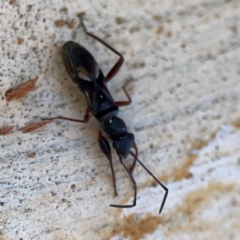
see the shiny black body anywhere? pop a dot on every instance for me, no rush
(89, 78)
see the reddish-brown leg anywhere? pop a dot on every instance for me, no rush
(135, 158)
(115, 68)
(84, 120)
(120, 61)
(124, 103)
(105, 147)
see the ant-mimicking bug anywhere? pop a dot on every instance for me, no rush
(87, 75)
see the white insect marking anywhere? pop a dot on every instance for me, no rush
(84, 77)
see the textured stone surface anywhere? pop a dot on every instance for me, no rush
(183, 59)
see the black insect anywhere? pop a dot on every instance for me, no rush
(86, 74)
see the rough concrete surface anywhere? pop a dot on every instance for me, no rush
(183, 60)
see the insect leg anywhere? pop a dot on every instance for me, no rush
(120, 61)
(124, 103)
(84, 120)
(135, 157)
(165, 188)
(33, 127)
(135, 189)
(104, 146)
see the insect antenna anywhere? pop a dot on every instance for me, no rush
(165, 188)
(135, 189)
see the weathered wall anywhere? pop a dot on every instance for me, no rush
(183, 59)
